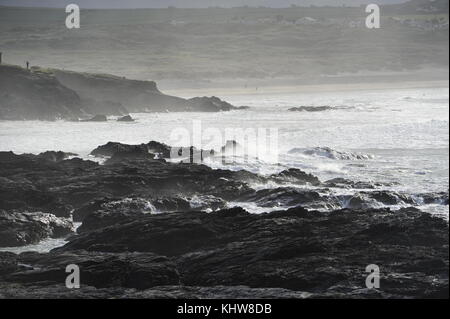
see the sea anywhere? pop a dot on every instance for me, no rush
(396, 138)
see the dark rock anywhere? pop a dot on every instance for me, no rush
(138, 154)
(287, 197)
(217, 292)
(295, 176)
(36, 184)
(356, 201)
(171, 204)
(138, 206)
(321, 108)
(124, 205)
(113, 212)
(434, 198)
(298, 252)
(20, 229)
(120, 150)
(323, 253)
(101, 219)
(30, 182)
(56, 291)
(346, 183)
(100, 270)
(210, 104)
(126, 118)
(160, 149)
(23, 291)
(56, 156)
(390, 198)
(368, 199)
(128, 204)
(81, 213)
(204, 202)
(112, 148)
(170, 233)
(8, 263)
(311, 108)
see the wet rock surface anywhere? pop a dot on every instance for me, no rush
(155, 229)
(99, 270)
(24, 228)
(290, 197)
(295, 176)
(31, 182)
(346, 183)
(126, 118)
(231, 253)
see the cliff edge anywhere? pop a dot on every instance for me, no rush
(51, 94)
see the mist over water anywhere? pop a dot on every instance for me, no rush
(306, 142)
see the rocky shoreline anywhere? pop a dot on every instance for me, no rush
(155, 229)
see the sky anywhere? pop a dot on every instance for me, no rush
(186, 3)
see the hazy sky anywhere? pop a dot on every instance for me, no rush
(185, 3)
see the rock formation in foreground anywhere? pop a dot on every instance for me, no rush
(50, 94)
(230, 253)
(155, 229)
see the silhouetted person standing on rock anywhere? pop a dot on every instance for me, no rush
(191, 155)
(28, 65)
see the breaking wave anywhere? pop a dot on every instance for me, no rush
(330, 153)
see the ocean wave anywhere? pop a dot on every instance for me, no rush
(330, 153)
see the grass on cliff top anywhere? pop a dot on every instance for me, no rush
(52, 71)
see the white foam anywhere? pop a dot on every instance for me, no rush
(406, 130)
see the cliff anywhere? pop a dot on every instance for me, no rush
(28, 95)
(49, 94)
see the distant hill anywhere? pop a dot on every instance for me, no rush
(110, 4)
(219, 48)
